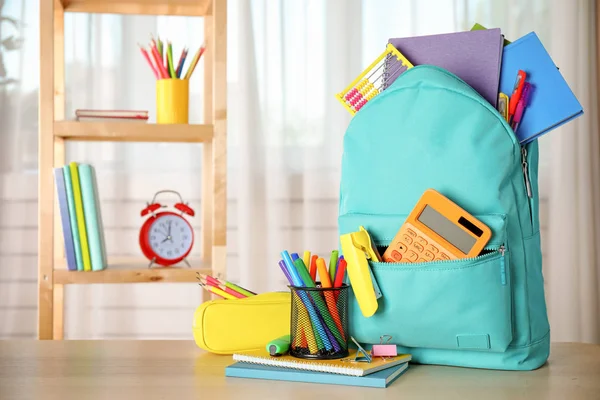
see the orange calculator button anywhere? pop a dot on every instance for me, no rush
(407, 239)
(432, 249)
(396, 256)
(412, 256)
(411, 232)
(444, 256)
(401, 247)
(422, 241)
(418, 247)
(428, 255)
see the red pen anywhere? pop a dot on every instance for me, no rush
(516, 94)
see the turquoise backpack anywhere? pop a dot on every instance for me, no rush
(430, 129)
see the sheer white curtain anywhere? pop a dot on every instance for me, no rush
(574, 191)
(286, 60)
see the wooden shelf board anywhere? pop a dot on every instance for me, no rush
(133, 132)
(142, 7)
(131, 270)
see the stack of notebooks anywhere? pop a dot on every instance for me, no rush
(489, 63)
(379, 373)
(84, 115)
(79, 205)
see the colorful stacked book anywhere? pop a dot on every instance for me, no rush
(79, 205)
(259, 364)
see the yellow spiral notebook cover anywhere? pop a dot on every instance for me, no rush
(343, 366)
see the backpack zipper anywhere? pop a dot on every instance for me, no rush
(526, 171)
(493, 251)
(502, 266)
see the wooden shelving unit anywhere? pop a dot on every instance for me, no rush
(54, 130)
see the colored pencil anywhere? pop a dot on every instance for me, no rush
(218, 291)
(159, 47)
(147, 57)
(170, 60)
(229, 285)
(194, 62)
(161, 68)
(224, 288)
(237, 288)
(181, 62)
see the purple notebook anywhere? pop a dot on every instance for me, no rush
(474, 56)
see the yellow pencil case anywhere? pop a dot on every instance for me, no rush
(229, 326)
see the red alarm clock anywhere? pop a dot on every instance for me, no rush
(166, 238)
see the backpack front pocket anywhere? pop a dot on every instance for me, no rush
(458, 304)
(462, 304)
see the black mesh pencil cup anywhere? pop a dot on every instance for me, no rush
(319, 322)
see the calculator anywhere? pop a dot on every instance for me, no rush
(437, 229)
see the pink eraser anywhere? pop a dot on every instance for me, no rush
(384, 350)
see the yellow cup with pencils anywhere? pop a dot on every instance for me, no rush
(172, 101)
(172, 85)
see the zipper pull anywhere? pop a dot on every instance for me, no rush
(502, 266)
(525, 172)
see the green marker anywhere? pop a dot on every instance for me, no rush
(279, 346)
(333, 265)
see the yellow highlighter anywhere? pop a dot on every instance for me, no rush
(503, 105)
(357, 248)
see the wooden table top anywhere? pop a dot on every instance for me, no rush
(113, 370)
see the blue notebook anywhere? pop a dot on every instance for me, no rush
(63, 206)
(379, 379)
(551, 103)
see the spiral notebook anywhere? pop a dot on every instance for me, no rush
(379, 379)
(343, 366)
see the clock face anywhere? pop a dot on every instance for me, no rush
(170, 237)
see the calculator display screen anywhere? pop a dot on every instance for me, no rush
(446, 229)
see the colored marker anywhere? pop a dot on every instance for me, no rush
(324, 309)
(306, 259)
(516, 94)
(313, 267)
(339, 274)
(279, 346)
(297, 281)
(332, 264)
(323, 275)
(523, 103)
(311, 334)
